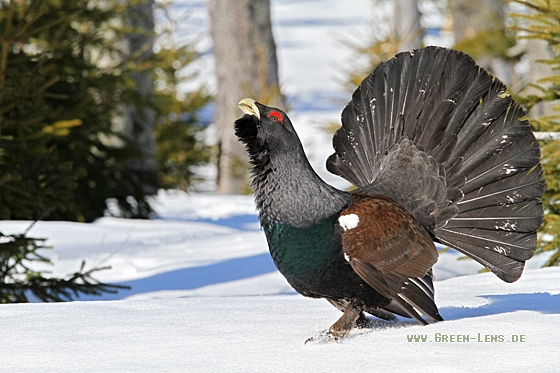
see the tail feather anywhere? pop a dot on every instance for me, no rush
(518, 247)
(508, 218)
(506, 268)
(518, 188)
(496, 142)
(520, 158)
(477, 84)
(443, 95)
(361, 160)
(467, 124)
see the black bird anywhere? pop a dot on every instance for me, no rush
(438, 152)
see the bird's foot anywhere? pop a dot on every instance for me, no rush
(326, 336)
(363, 322)
(339, 329)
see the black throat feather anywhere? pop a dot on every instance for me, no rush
(287, 189)
(246, 129)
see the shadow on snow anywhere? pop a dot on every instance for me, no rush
(195, 277)
(504, 303)
(244, 222)
(241, 222)
(498, 304)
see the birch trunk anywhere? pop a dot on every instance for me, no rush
(246, 66)
(406, 21)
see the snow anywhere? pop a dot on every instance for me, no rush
(205, 293)
(206, 297)
(267, 333)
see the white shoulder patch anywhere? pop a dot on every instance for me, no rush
(349, 221)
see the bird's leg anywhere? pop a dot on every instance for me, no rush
(362, 321)
(346, 322)
(352, 316)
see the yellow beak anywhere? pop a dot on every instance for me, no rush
(248, 106)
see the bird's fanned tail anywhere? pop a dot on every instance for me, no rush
(442, 137)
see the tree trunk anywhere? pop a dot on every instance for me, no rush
(140, 122)
(470, 17)
(538, 49)
(406, 19)
(246, 66)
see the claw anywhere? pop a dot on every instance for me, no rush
(310, 339)
(324, 337)
(341, 328)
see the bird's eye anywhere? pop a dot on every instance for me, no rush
(276, 117)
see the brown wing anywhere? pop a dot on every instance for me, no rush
(391, 251)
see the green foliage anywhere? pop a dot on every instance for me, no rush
(50, 129)
(381, 45)
(19, 283)
(179, 148)
(65, 81)
(543, 23)
(379, 50)
(60, 152)
(495, 40)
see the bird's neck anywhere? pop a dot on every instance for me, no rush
(288, 191)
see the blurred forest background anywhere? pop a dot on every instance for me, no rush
(95, 117)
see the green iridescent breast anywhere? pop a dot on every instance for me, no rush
(305, 255)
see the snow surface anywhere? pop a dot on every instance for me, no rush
(267, 333)
(206, 296)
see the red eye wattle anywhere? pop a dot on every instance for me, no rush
(276, 117)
